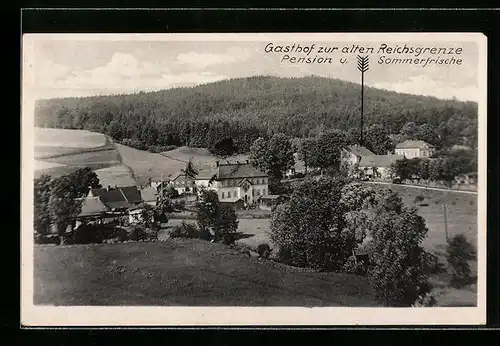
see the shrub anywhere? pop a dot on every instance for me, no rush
(458, 252)
(418, 199)
(96, 234)
(184, 230)
(353, 266)
(264, 250)
(425, 301)
(40, 238)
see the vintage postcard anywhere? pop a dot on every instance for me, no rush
(254, 179)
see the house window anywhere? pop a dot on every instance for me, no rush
(263, 192)
(258, 192)
(253, 192)
(222, 194)
(229, 194)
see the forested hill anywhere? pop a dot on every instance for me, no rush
(243, 109)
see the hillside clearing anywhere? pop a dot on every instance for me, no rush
(183, 273)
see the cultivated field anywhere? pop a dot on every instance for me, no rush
(60, 152)
(183, 272)
(68, 138)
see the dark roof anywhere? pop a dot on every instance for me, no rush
(242, 170)
(92, 206)
(206, 173)
(118, 198)
(359, 150)
(379, 160)
(413, 144)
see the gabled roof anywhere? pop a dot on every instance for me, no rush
(243, 181)
(408, 144)
(180, 177)
(92, 206)
(379, 160)
(118, 198)
(359, 150)
(242, 170)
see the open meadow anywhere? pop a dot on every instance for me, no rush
(183, 272)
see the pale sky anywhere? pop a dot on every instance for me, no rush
(81, 66)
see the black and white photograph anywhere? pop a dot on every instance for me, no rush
(233, 179)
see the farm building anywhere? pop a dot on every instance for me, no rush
(378, 166)
(105, 205)
(353, 153)
(118, 198)
(411, 149)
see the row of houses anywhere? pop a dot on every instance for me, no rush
(236, 183)
(372, 165)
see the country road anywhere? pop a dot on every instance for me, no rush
(424, 187)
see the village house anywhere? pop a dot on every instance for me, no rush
(378, 166)
(236, 183)
(411, 149)
(182, 184)
(353, 153)
(108, 204)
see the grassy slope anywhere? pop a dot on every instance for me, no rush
(183, 272)
(148, 165)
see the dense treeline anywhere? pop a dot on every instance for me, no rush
(239, 111)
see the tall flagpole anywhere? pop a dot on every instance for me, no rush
(363, 66)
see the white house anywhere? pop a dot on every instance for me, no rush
(240, 181)
(411, 149)
(233, 181)
(182, 183)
